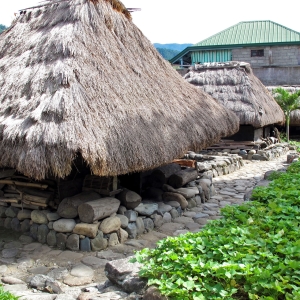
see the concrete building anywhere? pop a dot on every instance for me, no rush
(272, 50)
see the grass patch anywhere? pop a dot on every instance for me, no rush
(6, 295)
(252, 253)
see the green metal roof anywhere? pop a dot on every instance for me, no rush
(252, 32)
(249, 33)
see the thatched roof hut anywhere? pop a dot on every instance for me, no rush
(234, 85)
(295, 118)
(78, 78)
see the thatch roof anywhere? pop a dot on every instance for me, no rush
(295, 118)
(234, 85)
(78, 78)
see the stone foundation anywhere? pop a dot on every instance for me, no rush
(161, 203)
(158, 207)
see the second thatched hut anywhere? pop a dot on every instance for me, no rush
(234, 86)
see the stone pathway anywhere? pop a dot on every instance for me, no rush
(35, 271)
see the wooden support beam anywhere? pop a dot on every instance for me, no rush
(28, 184)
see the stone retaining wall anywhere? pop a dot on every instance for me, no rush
(216, 163)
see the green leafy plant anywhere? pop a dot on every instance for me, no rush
(288, 102)
(251, 253)
(294, 168)
(274, 175)
(6, 295)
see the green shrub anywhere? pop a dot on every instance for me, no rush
(252, 253)
(294, 167)
(274, 175)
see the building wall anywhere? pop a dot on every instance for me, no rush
(280, 65)
(275, 76)
(273, 56)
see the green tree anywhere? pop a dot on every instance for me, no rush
(288, 102)
(167, 53)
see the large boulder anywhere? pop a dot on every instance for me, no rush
(125, 274)
(89, 230)
(64, 225)
(110, 225)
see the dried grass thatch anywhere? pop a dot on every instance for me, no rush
(234, 85)
(78, 78)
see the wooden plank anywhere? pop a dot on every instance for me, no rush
(35, 195)
(10, 200)
(35, 203)
(33, 198)
(28, 184)
(17, 196)
(185, 162)
(23, 205)
(115, 183)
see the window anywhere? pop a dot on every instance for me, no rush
(255, 53)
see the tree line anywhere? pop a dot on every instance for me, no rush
(2, 27)
(167, 53)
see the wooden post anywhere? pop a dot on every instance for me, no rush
(115, 183)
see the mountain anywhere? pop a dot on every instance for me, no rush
(167, 53)
(2, 27)
(177, 47)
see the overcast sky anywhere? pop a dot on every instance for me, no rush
(190, 21)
